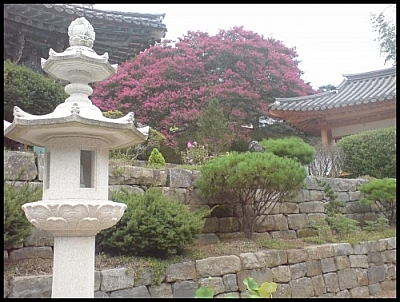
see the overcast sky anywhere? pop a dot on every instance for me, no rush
(330, 39)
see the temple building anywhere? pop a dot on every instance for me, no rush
(30, 30)
(363, 101)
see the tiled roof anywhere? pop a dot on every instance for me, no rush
(76, 11)
(355, 89)
(121, 34)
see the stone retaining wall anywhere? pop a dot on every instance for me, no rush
(288, 220)
(329, 270)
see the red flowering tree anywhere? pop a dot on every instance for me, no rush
(166, 87)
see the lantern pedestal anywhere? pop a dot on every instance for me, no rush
(73, 276)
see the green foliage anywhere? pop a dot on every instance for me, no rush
(156, 159)
(204, 292)
(240, 145)
(333, 206)
(291, 147)
(386, 29)
(322, 228)
(170, 154)
(370, 153)
(254, 181)
(213, 128)
(359, 235)
(337, 222)
(152, 225)
(32, 92)
(382, 192)
(16, 225)
(377, 225)
(281, 129)
(328, 190)
(265, 290)
(341, 224)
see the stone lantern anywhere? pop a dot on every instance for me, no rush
(77, 139)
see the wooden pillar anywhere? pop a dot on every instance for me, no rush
(326, 135)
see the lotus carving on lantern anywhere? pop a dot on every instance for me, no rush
(73, 218)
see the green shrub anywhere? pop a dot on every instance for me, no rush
(291, 147)
(153, 225)
(335, 221)
(323, 230)
(382, 192)
(341, 224)
(156, 159)
(16, 226)
(370, 153)
(253, 182)
(377, 225)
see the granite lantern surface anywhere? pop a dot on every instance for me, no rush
(77, 139)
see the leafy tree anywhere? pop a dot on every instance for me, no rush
(167, 87)
(32, 92)
(252, 182)
(382, 192)
(385, 27)
(213, 128)
(292, 147)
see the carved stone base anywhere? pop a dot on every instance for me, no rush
(74, 218)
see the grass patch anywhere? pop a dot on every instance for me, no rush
(353, 238)
(279, 244)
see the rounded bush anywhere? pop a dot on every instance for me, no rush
(153, 225)
(370, 153)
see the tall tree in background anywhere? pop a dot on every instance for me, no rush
(385, 26)
(167, 87)
(213, 128)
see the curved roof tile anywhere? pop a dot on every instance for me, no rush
(355, 89)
